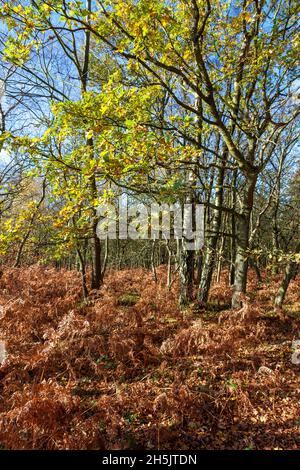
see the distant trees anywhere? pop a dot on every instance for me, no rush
(292, 208)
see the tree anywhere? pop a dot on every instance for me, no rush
(220, 75)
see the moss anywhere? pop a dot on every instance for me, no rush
(129, 299)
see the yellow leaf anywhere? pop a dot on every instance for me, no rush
(248, 16)
(89, 134)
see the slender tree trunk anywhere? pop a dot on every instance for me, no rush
(213, 237)
(198, 268)
(153, 268)
(27, 234)
(96, 244)
(105, 260)
(275, 240)
(20, 249)
(254, 265)
(290, 273)
(96, 280)
(241, 261)
(233, 231)
(186, 259)
(169, 264)
(169, 271)
(187, 255)
(220, 254)
(83, 273)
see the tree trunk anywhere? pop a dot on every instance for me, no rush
(105, 260)
(169, 271)
(83, 273)
(242, 241)
(96, 244)
(233, 230)
(220, 254)
(253, 264)
(198, 267)
(275, 239)
(153, 268)
(186, 260)
(186, 256)
(96, 280)
(212, 240)
(290, 273)
(27, 234)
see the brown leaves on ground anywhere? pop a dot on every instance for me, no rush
(142, 374)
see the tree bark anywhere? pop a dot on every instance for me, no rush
(186, 259)
(27, 234)
(220, 254)
(153, 268)
(242, 241)
(233, 230)
(290, 273)
(212, 240)
(96, 280)
(83, 273)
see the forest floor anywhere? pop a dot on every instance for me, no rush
(128, 370)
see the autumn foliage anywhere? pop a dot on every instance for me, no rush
(105, 374)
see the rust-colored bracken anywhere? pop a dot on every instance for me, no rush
(106, 374)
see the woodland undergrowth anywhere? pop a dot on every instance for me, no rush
(113, 374)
